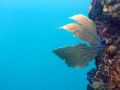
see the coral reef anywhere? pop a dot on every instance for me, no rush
(107, 21)
(102, 31)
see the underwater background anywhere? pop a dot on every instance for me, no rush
(28, 34)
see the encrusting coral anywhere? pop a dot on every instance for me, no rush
(107, 21)
(111, 8)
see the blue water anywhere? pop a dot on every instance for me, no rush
(28, 34)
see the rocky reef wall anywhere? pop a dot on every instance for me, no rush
(106, 16)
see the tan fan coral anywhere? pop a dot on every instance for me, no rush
(76, 56)
(80, 55)
(84, 28)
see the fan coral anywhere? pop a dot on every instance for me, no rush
(102, 31)
(80, 55)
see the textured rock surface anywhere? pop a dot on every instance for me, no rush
(106, 15)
